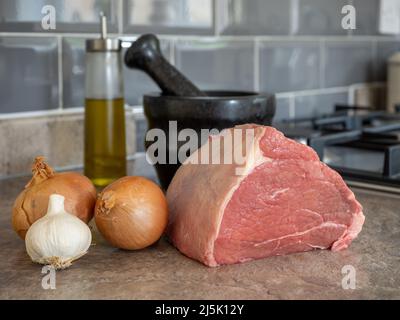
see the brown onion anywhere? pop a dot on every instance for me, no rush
(31, 204)
(131, 213)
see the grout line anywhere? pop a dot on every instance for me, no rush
(382, 38)
(56, 112)
(256, 65)
(351, 96)
(374, 52)
(172, 51)
(292, 107)
(322, 63)
(350, 32)
(294, 17)
(216, 17)
(368, 85)
(51, 35)
(138, 109)
(311, 92)
(288, 38)
(39, 113)
(60, 74)
(120, 16)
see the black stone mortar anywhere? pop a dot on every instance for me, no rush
(191, 108)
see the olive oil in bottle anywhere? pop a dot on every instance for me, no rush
(105, 150)
(105, 146)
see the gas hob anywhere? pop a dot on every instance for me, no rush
(362, 145)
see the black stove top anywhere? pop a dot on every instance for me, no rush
(362, 145)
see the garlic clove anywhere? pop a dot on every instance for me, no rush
(58, 238)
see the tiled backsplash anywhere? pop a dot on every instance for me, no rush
(269, 45)
(168, 16)
(290, 65)
(28, 74)
(71, 15)
(217, 64)
(348, 62)
(295, 48)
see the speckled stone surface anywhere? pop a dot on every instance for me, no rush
(161, 272)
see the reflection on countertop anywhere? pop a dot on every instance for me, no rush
(161, 272)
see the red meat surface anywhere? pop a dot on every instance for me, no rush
(285, 201)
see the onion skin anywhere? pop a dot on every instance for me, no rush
(131, 213)
(31, 204)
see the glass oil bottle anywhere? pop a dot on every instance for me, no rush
(105, 146)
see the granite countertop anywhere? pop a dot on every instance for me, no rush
(161, 272)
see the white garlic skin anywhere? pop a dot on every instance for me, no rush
(58, 238)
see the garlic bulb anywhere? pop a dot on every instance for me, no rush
(58, 238)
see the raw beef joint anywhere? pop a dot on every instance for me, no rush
(284, 201)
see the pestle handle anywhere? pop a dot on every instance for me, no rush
(145, 54)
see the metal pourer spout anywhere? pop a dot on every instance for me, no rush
(103, 43)
(103, 25)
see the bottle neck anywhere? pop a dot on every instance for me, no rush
(104, 77)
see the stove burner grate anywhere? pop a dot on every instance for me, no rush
(353, 128)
